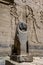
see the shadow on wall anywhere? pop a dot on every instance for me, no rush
(11, 1)
(7, 2)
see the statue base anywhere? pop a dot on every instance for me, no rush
(10, 62)
(22, 58)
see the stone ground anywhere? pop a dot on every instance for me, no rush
(36, 61)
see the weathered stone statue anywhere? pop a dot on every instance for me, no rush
(20, 48)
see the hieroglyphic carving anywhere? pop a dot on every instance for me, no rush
(41, 16)
(23, 1)
(30, 11)
(30, 17)
(25, 13)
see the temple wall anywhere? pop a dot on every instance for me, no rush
(30, 11)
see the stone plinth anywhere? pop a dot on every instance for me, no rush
(22, 58)
(19, 60)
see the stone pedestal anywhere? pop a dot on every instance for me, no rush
(10, 62)
(19, 60)
(22, 58)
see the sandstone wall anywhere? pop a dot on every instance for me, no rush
(30, 11)
(5, 28)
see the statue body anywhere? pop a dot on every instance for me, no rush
(20, 49)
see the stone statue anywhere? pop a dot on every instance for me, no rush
(20, 49)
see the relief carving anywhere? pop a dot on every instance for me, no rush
(25, 13)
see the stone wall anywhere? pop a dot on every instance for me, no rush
(5, 28)
(30, 11)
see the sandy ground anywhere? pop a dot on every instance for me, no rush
(36, 61)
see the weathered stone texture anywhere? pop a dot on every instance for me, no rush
(5, 28)
(30, 11)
